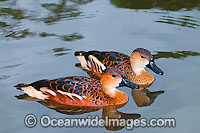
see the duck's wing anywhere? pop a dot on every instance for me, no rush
(68, 90)
(97, 61)
(125, 58)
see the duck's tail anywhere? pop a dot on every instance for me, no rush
(20, 86)
(90, 62)
(30, 90)
(79, 53)
(82, 57)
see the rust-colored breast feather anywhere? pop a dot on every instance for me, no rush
(145, 79)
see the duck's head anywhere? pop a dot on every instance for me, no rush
(141, 58)
(112, 78)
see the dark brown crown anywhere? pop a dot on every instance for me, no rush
(113, 70)
(144, 51)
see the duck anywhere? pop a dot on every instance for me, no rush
(82, 91)
(133, 67)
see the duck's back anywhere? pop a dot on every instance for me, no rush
(97, 61)
(109, 57)
(76, 90)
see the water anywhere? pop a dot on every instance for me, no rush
(38, 39)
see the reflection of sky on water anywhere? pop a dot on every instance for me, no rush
(168, 8)
(14, 14)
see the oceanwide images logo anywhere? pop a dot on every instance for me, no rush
(46, 121)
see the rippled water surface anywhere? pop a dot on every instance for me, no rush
(38, 39)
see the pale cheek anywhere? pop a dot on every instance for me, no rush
(114, 83)
(146, 63)
(119, 81)
(141, 64)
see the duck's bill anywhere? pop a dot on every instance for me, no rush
(126, 82)
(154, 68)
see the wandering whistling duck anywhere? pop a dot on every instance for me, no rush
(133, 67)
(82, 91)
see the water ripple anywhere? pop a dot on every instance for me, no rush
(185, 21)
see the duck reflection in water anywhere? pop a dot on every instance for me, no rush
(110, 113)
(143, 97)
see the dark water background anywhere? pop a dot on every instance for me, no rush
(38, 39)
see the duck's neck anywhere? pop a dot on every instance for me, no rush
(118, 97)
(136, 66)
(140, 76)
(109, 90)
(138, 71)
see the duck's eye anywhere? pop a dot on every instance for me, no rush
(114, 76)
(142, 56)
